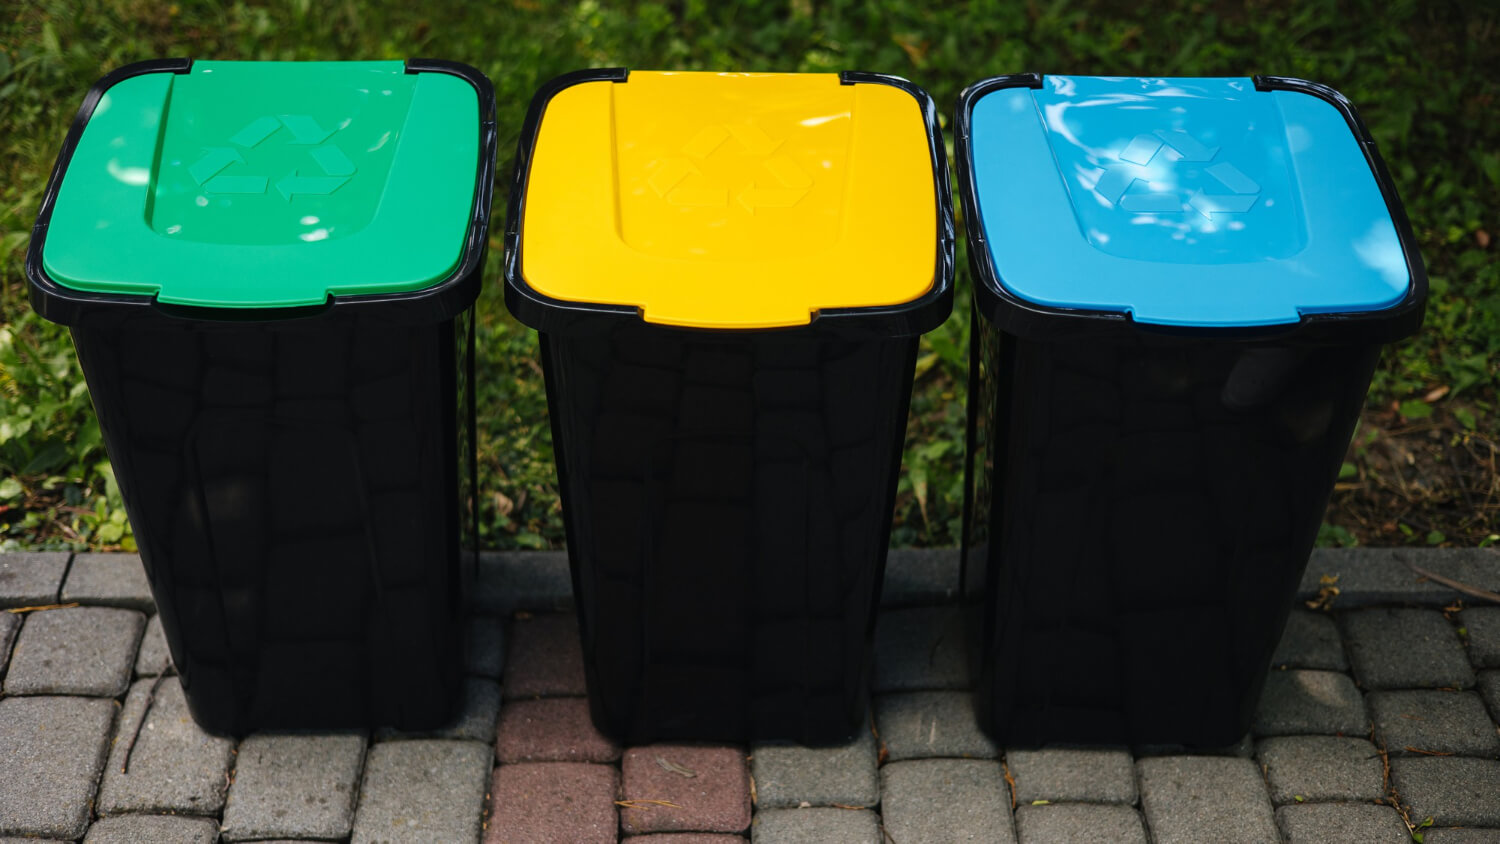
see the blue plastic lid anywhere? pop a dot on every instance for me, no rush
(1190, 202)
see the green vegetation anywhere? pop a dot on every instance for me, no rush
(1423, 467)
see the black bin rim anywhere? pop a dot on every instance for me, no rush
(441, 300)
(1032, 320)
(557, 316)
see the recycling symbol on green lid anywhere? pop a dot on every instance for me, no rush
(1231, 192)
(329, 168)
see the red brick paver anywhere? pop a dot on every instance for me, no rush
(547, 802)
(684, 838)
(545, 658)
(710, 784)
(556, 729)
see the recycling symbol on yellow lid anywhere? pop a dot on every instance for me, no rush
(1128, 184)
(781, 182)
(333, 167)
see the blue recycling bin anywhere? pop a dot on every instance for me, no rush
(1181, 289)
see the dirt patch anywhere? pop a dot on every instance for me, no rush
(1429, 481)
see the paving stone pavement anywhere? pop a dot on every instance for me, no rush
(923, 725)
(1079, 823)
(172, 766)
(430, 790)
(1310, 769)
(31, 580)
(1392, 674)
(1355, 823)
(787, 776)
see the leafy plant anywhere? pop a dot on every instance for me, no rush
(1420, 73)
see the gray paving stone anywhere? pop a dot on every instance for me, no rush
(50, 752)
(525, 580)
(1079, 823)
(79, 651)
(1409, 722)
(1341, 823)
(921, 648)
(157, 829)
(10, 623)
(922, 725)
(1489, 689)
(1405, 649)
(31, 579)
(294, 786)
(110, 580)
(1205, 798)
(1464, 835)
(1297, 702)
(1065, 774)
(1451, 790)
(475, 721)
(486, 647)
(174, 766)
(945, 800)
(815, 826)
(788, 775)
(1373, 576)
(1315, 769)
(1481, 626)
(154, 657)
(1244, 749)
(423, 791)
(1311, 640)
(920, 576)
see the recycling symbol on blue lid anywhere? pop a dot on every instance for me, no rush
(1128, 185)
(335, 166)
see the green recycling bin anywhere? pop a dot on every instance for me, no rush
(268, 269)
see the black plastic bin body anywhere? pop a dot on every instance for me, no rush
(299, 481)
(728, 496)
(729, 500)
(1142, 500)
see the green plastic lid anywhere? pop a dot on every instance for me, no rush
(269, 184)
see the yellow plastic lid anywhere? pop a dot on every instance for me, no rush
(731, 200)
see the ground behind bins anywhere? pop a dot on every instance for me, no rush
(1381, 713)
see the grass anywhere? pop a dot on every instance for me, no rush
(1423, 466)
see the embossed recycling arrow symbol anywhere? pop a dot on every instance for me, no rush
(301, 130)
(787, 185)
(1118, 179)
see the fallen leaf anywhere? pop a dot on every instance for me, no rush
(673, 767)
(43, 608)
(1435, 393)
(639, 804)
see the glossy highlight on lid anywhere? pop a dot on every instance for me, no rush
(1193, 202)
(731, 200)
(268, 184)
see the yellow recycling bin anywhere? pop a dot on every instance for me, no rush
(729, 274)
